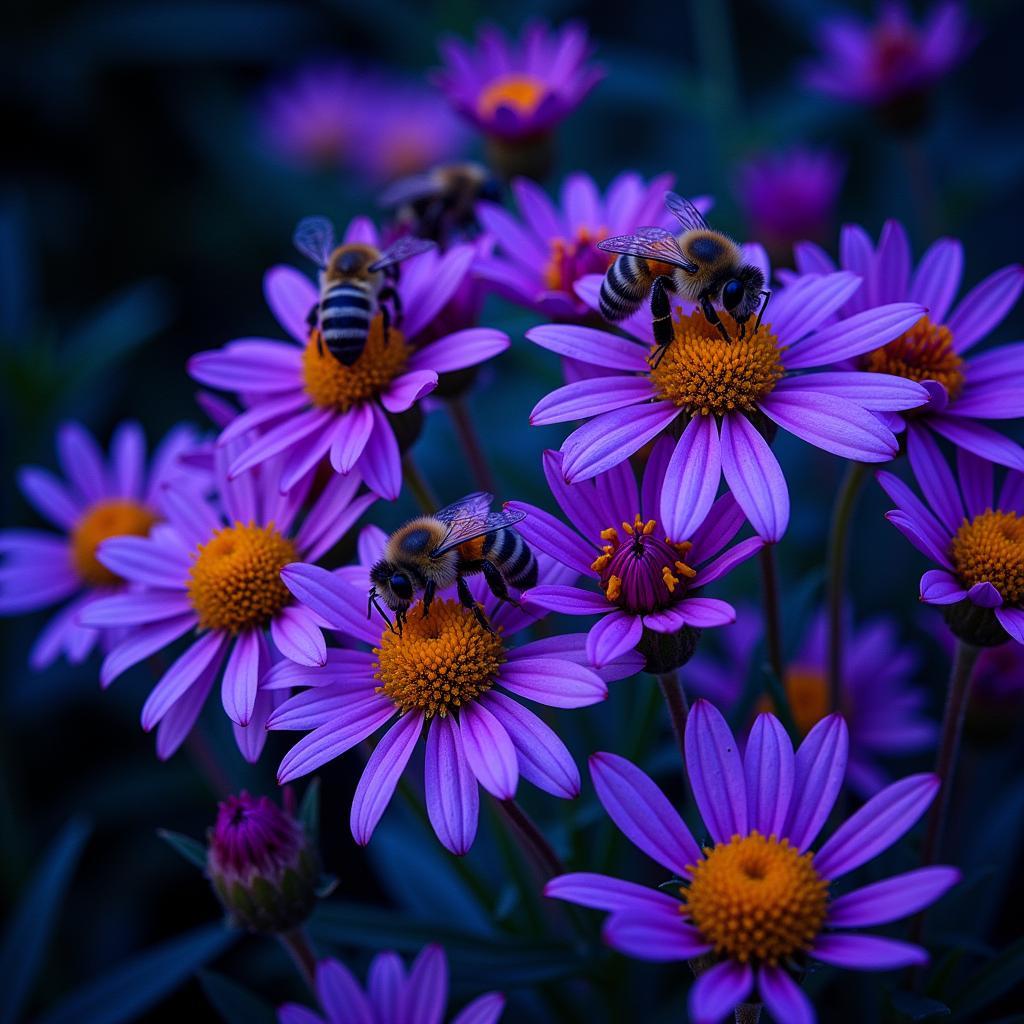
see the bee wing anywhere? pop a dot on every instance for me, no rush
(650, 244)
(408, 190)
(403, 249)
(685, 212)
(469, 526)
(314, 237)
(477, 503)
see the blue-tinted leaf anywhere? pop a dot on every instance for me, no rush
(28, 931)
(309, 810)
(995, 979)
(918, 1008)
(234, 1002)
(191, 849)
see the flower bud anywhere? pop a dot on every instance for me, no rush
(974, 624)
(262, 865)
(665, 652)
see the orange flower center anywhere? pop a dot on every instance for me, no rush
(756, 898)
(437, 662)
(523, 93)
(112, 517)
(925, 352)
(708, 375)
(235, 582)
(331, 384)
(572, 259)
(990, 549)
(808, 697)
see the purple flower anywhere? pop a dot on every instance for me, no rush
(934, 350)
(790, 195)
(310, 406)
(439, 678)
(726, 390)
(212, 572)
(518, 89)
(883, 708)
(757, 901)
(649, 552)
(976, 537)
(542, 256)
(891, 59)
(100, 499)
(391, 996)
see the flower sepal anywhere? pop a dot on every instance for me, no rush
(665, 652)
(974, 624)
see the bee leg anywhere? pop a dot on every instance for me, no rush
(764, 305)
(400, 620)
(466, 600)
(428, 596)
(496, 582)
(390, 293)
(385, 316)
(712, 317)
(661, 315)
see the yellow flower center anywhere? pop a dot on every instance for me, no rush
(990, 548)
(438, 662)
(235, 582)
(331, 384)
(808, 696)
(925, 352)
(112, 517)
(706, 374)
(572, 259)
(756, 898)
(523, 93)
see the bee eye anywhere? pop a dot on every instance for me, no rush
(732, 294)
(401, 586)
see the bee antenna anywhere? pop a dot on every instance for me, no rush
(374, 603)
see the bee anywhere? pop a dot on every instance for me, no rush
(356, 282)
(432, 552)
(440, 204)
(700, 264)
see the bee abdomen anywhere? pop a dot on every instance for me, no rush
(345, 315)
(624, 287)
(512, 557)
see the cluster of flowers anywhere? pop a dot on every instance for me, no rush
(215, 546)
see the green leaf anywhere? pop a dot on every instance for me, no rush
(191, 849)
(995, 979)
(309, 811)
(28, 931)
(140, 982)
(234, 1002)
(911, 1006)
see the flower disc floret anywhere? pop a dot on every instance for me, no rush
(439, 661)
(523, 93)
(925, 352)
(704, 373)
(990, 549)
(756, 898)
(331, 384)
(113, 517)
(573, 258)
(235, 582)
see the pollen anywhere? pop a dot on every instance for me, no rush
(523, 93)
(574, 258)
(331, 384)
(439, 661)
(114, 517)
(756, 898)
(808, 696)
(235, 581)
(925, 352)
(990, 549)
(702, 372)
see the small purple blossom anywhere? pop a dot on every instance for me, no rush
(391, 995)
(763, 811)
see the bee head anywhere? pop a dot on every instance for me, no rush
(392, 584)
(351, 261)
(741, 295)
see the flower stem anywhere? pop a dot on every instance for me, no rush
(678, 709)
(299, 949)
(463, 423)
(532, 839)
(772, 619)
(842, 512)
(421, 490)
(748, 1013)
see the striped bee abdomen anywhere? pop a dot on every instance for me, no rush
(624, 286)
(512, 557)
(345, 315)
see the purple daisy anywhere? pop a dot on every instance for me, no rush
(648, 551)
(962, 391)
(212, 572)
(309, 406)
(762, 812)
(730, 393)
(391, 996)
(976, 537)
(883, 708)
(891, 59)
(438, 678)
(514, 90)
(100, 499)
(542, 256)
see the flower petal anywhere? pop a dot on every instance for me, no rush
(180, 676)
(380, 465)
(590, 345)
(566, 600)
(489, 750)
(242, 677)
(297, 636)
(657, 937)
(985, 306)
(857, 334)
(406, 390)
(820, 768)
(785, 1000)
(716, 773)
(768, 766)
(543, 532)
(935, 478)
(601, 892)
(941, 587)
(453, 800)
(867, 952)
(892, 899)
(586, 398)
(691, 478)
(716, 992)
(754, 477)
(937, 277)
(460, 349)
(557, 683)
(612, 636)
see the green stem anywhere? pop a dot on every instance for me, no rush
(712, 31)
(470, 441)
(678, 708)
(296, 942)
(772, 618)
(421, 490)
(532, 839)
(842, 513)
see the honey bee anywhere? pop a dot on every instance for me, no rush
(440, 204)
(356, 282)
(699, 264)
(432, 552)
